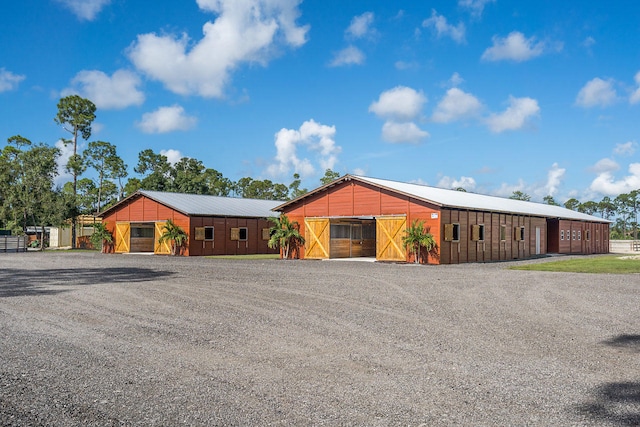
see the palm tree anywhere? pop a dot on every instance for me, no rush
(101, 236)
(173, 233)
(416, 238)
(284, 234)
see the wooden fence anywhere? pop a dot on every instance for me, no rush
(13, 243)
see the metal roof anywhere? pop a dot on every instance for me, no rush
(196, 204)
(465, 200)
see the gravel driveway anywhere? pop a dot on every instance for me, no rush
(92, 339)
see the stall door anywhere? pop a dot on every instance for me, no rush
(163, 248)
(389, 234)
(123, 237)
(317, 237)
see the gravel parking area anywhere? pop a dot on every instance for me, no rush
(96, 340)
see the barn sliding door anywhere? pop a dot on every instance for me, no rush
(389, 234)
(317, 237)
(123, 237)
(163, 248)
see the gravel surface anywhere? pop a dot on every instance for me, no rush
(96, 340)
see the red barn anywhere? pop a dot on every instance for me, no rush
(357, 216)
(215, 225)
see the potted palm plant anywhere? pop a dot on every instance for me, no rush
(416, 238)
(284, 235)
(101, 237)
(175, 235)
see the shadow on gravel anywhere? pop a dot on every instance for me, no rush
(625, 341)
(19, 282)
(615, 403)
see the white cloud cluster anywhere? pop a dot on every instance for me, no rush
(517, 114)
(476, 7)
(66, 151)
(555, 175)
(626, 149)
(115, 92)
(350, 55)
(245, 31)
(8, 80)
(597, 92)
(314, 137)
(514, 47)
(466, 182)
(439, 24)
(85, 9)
(361, 26)
(456, 105)
(166, 119)
(635, 96)
(173, 156)
(400, 107)
(606, 184)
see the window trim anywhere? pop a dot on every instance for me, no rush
(452, 232)
(213, 234)
(503, 232)
(246, 234)
(562, 234)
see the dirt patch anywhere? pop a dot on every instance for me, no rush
(92, 339)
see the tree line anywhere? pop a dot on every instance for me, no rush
(28, 196)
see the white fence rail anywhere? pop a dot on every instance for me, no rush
(13, 243)
(624, 246)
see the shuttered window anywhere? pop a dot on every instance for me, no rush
(452, 232)
(266, 233)
(477, 232)
(503, 232)
(518, 233)
(235, 234)
(199, 233)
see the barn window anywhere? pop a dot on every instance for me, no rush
(208, 233)
(242, 234)
(199, 233)
(452, 232)
(579, 234)
(142, 232)
(518, 233)
(574, 234)
(503, 232)
(561, 234)
(477, 232)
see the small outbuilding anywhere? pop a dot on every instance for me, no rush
(357, 216)
(215, 225)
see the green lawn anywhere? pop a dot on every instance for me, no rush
(605, 264)
(257, 256)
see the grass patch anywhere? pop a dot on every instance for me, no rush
(606, 265)
(240, 257)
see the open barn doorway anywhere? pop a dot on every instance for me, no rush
(352, 238)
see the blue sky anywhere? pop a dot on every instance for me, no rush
(493, 96)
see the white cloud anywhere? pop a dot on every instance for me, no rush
(312, 136)
(555, 175)
(115, 92)
(360, 26)
(439, 24)
(248, 31)
(403, 132)
(626, 149)
(173, 156)
(514, 47)
(507, 190)
(605, 165)
(350, 55)
(635, 96)
(466, 182)
(85, 9)
(166, 119)
(456, 105)
(597, 92)
(476, 7)
(456, 80)
(8, 80)
(400, 103)
(66, 151)
(518, 113)
(606, 184)
(588, 42)
(359, 171)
